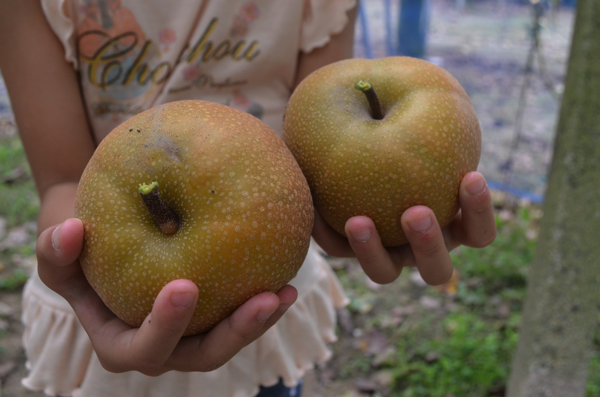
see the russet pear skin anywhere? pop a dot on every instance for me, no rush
(245, 210)
(428, 140)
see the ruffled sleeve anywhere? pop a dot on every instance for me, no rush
(321, 20)
(58, 14)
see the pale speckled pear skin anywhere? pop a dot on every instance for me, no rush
(245, 207)
(356, 165)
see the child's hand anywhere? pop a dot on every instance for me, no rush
(474, 226)
(156, 347)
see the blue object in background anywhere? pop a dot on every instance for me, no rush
(364, 22)
(413, 20)
(412, 30)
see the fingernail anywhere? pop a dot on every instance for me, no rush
(264, 315)
(361, 235)
(56, 238)
(420, 225)
(182, 300)
(476, 187)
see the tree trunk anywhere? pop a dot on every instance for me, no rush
(563, 294)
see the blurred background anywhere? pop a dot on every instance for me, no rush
(404, 339)
(509, 55)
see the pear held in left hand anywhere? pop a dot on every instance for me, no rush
(192, 190)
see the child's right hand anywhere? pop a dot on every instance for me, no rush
(157, 346)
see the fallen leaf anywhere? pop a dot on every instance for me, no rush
(450, 288)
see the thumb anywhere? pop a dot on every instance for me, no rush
(57, 249)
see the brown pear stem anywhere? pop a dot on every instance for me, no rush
(367, 88)
(167, 219)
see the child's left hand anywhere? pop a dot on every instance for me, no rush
(429, 245)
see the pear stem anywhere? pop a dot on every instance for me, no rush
(374, 103)
(167, 219)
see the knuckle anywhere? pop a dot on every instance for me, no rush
(431, 248)
(244, 336)
(167, 329)
(133, 361)
(484, 239)
(367, 257)
(41, 250)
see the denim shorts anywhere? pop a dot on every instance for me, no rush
(280, 390)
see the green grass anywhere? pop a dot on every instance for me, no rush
(469, 357)
(466, 351)
(19, 204)
(497, 273)
(593, 384)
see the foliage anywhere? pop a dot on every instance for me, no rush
(471, 357)
(13, 280)
(593, 383)
(18, 198)
(499, 271)
(468, 353)
(19, 205)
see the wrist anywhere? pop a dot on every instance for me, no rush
(57, 204)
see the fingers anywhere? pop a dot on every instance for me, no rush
(245, 325)
(157, 346)
(427, 250)
(475, 226)
(122, 348)
(427, 243)
(374, 259)
(57, 251)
